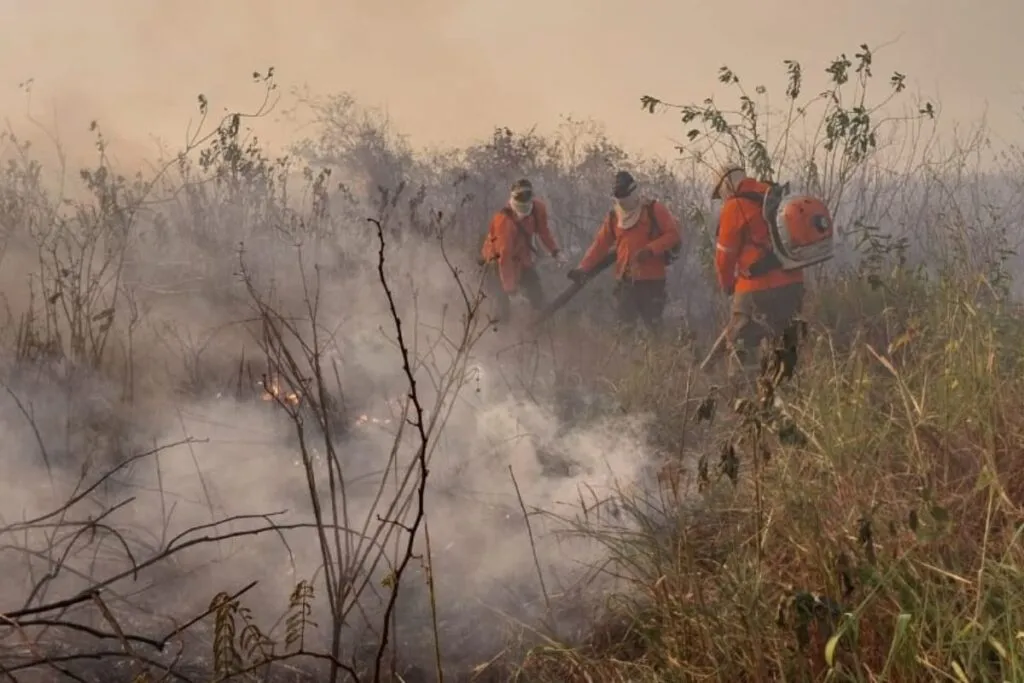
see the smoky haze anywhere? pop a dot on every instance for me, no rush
(143, 454)
(172, 440)
(189, 348)
(448, 71)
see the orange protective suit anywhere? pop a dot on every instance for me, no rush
(628, 243)
(743, 239)
(510, 242)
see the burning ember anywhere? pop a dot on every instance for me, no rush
(272, 390)
(394, 405)
(366, 419)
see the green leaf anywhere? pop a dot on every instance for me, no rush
(830, 650)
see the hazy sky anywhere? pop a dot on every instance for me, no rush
(449, 70)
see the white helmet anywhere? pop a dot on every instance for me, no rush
(728, 176)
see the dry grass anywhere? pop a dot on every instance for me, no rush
(856, 521)
(883, 543)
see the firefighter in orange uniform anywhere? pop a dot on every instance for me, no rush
(765, 297)
(644, 236)
(510, 247)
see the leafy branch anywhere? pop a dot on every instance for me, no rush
(843, 124)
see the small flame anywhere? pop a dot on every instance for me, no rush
(272, 390)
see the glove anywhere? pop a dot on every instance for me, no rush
(644, 255)
(576, 275)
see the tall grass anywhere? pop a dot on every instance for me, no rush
(849, 514)
(860, 499)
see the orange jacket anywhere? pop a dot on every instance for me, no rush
(628, 242)
(511, 245)
(742, 240)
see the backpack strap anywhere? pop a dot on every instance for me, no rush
(507, 210)
(759, 199)
(756, 197)
(653, 227)
(654, 230)
(768, 261)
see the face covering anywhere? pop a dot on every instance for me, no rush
(523, 206)
(628, 210)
